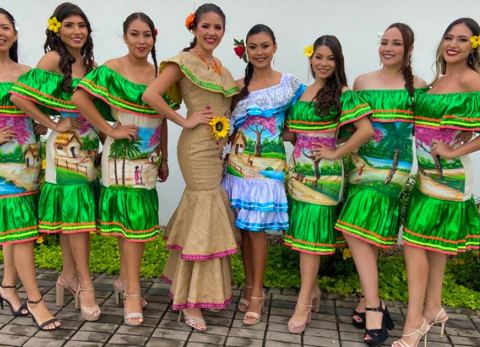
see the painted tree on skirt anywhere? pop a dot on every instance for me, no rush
(259, 125)
(19, 125)
(307, 145)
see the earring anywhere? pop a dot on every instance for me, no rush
(471, 59)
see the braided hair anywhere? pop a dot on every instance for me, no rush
(205, 8)
(13, 51)
(147, 20)
(327, 98)
(54, 43)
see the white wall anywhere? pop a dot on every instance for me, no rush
(295, 23)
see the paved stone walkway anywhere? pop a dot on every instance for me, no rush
(329, 327)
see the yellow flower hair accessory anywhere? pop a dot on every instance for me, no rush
(54, 25)
(308, 51)
(219, 127)
(475, 40)
(189, 21)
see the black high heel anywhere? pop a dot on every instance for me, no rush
(359, 323)
(19, 311)
(44, 325)
(378, 336)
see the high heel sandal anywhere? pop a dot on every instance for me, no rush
(60, 287)
(243, 303)
(298, 326)
(128, 317)
(378, 336)
(442, 321)
(359, 323)
(421, 332)
(42, 326)
(252, 318)
(119, 290)
(90, 314)
(21, 311)
(196, 323)
(316, 296)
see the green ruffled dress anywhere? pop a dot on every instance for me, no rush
(442, 215)
(380, 170)
(128, 204)
(19, 170)
(66, 201)
(315, 186)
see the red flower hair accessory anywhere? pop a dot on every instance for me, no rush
(240, 50)
(155, 32)
(189, 21)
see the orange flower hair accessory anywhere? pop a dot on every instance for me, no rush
(189, 21)
(475, 40)
(54, 25)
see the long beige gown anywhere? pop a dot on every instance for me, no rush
(201, 235)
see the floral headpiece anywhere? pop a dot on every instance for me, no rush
(54, 25)
(155, 32)
(189, 21)
(308, 51)
(240, 50)
(475, 40)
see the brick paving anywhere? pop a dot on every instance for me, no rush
(330, 327)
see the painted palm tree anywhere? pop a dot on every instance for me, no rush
(117, 151)
(398, 138)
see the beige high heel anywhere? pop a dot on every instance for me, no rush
(442, 321)
(421, 332)
(252, 318)
(316, 296)
(196, 323)
(296, 326)
(60, 287)
(119, 291)
(128, 317)
(90, 314)
(243, 303)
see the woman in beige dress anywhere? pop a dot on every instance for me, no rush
(201, 234)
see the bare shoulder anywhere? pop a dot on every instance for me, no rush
(23, 68)
(470, 81)
(50, 62)
(363, 81)
(113, 64)
(240, 83)
(419, 82)
(345, 89)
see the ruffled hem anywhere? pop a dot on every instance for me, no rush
(8, 108)
(370, 216)
(202, 226)
(447, 227)
(116, 217)
(261, 221)
(66, 208)
(311, 228)
(18, 222)
(255, 194)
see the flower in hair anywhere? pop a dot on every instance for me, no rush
(54, 25)
(475, 40)
(155, 32)
(189, 21)
(240, 50)
(308, 51)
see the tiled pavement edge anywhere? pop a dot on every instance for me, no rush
(329, 327)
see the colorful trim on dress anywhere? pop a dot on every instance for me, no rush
(308, 247)
(390, 116)
(24, 91)
(365, 235)
(200, 257)
(19, 235)
(259, 227)
(472, 242)
(118, 229)
(207, 85)
(449, 121)
(58, 227)
(11, 111)
(18, 194)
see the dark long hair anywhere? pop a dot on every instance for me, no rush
(147, 20)
(54, 43)
(201, 10)
(256, 29)
(408, 38)
(328, 97)
(13, 51)
(473, 58)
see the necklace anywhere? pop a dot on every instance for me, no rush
(211, 63)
